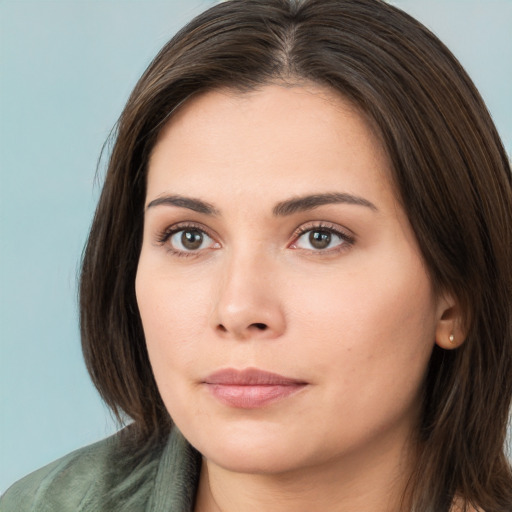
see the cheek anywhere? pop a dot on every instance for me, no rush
(172, 329)
(173, 319)
(369, 333)
(362, 308)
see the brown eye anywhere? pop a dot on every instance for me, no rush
(320, 239)
(190, 240)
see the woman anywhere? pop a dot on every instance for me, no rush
(302, 255)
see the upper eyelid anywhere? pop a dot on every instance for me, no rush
(164, 234)
(327, 226)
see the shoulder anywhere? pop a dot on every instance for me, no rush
(86, 479)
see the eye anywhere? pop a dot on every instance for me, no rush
(185, 241)
(189, 240)
(322, 238)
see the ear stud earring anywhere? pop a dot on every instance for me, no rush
(452, 339)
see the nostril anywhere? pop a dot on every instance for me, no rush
(256, 326)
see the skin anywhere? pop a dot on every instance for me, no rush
(356, 320)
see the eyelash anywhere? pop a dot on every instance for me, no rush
(168, 233)
(347, 239)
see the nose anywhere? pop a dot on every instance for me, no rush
(247, 302)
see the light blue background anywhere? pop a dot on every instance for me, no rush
(66, 69)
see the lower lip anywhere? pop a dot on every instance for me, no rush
(252, 397)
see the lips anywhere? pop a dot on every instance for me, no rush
(251, 388)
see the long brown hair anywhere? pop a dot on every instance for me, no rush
(449, 168)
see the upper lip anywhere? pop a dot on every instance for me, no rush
(250, 377)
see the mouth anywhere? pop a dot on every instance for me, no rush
(251, 388)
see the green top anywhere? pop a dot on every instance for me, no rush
(93, 479)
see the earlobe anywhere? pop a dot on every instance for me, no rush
(449, 331)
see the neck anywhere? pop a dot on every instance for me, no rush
(365, 484)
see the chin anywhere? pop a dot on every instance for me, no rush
(254, 461)
(255, 451)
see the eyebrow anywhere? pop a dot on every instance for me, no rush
(282, 209)
(197, 205)
(305, 203)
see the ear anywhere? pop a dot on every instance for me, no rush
(450, 332)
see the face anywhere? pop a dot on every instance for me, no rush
(288, 316)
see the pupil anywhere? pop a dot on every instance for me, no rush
(320, 239)
(191, 239)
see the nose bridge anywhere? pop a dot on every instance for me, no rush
(247, 302)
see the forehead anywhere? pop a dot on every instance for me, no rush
(302, 139)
